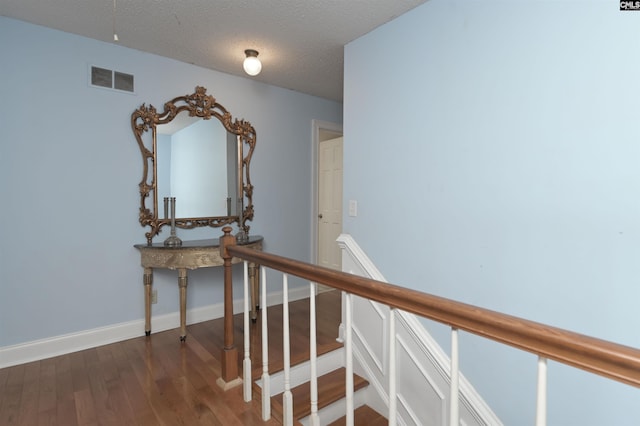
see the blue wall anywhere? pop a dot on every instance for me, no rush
(497, 144)
(70, 169)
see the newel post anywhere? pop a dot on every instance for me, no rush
(229, 374)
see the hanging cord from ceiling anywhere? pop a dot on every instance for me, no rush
(115, 35)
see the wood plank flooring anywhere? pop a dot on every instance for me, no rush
(156, 380)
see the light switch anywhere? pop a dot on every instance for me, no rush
(353, 208)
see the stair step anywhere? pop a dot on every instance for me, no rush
(364, 415)
(299, 373)
(326, 362)
(331, 388)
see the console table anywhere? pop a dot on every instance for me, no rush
(190, 255)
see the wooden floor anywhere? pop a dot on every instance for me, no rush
(155, 380)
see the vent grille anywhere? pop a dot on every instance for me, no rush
(110, 79)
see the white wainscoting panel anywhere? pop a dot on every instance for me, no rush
(419, 389)
(370, 327)
(423, 368)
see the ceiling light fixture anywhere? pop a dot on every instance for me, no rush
(252, 65)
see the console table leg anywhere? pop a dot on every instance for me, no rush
(147, 280)
(182, 284)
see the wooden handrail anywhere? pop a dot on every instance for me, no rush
(611, 360)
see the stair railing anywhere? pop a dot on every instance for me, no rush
(600, 357)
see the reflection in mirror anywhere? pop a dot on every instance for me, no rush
(193, 158)
(196, 152)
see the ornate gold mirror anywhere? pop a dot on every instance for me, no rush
(199, 163)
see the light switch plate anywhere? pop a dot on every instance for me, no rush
(353, 208)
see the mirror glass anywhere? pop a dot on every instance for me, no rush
(195, 152)
(195, 157)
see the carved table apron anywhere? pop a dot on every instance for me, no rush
(191, 255)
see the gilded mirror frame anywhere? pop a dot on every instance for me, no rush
(198, 104)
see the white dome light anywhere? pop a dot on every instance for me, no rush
(252, 65)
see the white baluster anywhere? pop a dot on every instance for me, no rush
(246, 364)
(313, 356)
(454, 410)
(348, 349)
(541, 401)
(393, 406)
(287, 397)
(266, 388)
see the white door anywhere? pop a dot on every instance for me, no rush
(330, 203)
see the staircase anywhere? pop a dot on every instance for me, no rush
(420, 377)
(330, 366)
(419, 372)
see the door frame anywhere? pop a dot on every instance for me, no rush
(316, 127)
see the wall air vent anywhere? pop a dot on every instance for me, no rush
(109, 79)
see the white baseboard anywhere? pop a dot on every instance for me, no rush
(67, 343)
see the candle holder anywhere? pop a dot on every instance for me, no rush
(173, 240)
(242, 237)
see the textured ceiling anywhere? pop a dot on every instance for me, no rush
(300, 42)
